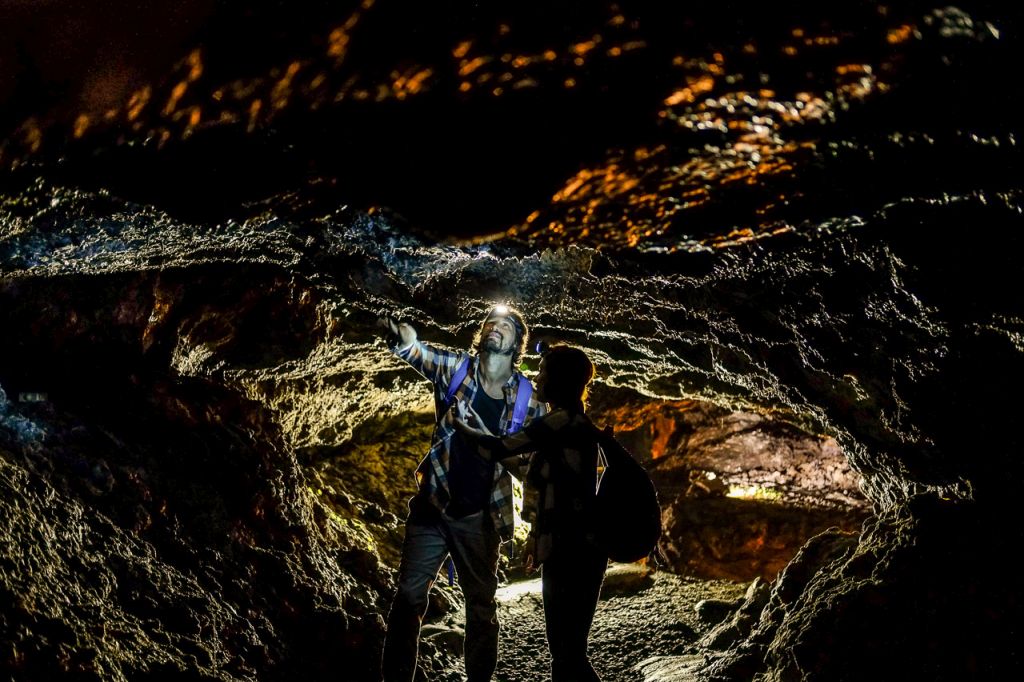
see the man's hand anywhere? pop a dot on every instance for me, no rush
(468, 422)
(403, 331)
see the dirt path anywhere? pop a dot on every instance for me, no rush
(640, 615)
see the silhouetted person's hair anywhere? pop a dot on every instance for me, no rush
(568, 374)
(522, 332)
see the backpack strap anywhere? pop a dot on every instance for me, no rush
(457, 378)
(521, 407)
(600, 436)
(522, 404)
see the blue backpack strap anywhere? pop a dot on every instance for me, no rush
(457, 378)
(522, 404)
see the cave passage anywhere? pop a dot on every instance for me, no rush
(740, 494)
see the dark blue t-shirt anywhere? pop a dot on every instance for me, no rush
(470, 476)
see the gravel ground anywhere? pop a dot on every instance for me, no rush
(641, 614)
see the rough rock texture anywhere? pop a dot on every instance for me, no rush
(235, 471)
(235, 428)
(640, 613)
(741, 492)
(738, 539)
(168, 505)
(816, 230)
(849, 608)
(152, 533)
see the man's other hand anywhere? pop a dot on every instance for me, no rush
(469, 422)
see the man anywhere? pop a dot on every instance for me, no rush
(464, 504)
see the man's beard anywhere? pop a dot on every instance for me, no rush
(493, 346)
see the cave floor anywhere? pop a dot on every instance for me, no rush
(641, 614)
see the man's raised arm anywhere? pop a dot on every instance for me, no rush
(433, 363)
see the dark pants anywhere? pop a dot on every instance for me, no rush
(571, 585)
(473, 544)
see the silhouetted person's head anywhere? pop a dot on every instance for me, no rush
(565, 374)
(503, 332)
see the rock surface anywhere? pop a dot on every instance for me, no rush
(633, 622)
(799, 275)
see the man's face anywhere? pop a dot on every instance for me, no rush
(499, 335)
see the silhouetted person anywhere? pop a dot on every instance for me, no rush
(564, 472)
(464, 504)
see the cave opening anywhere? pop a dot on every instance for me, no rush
(741, 491)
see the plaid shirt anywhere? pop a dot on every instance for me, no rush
(432, 473)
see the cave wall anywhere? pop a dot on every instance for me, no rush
(232, 425)
(155, 519)
(838, 251)
(741, 492)
(254, 346)
(924, 592)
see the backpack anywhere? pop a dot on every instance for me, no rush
(627, 515)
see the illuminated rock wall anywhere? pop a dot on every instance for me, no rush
(790, 243)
